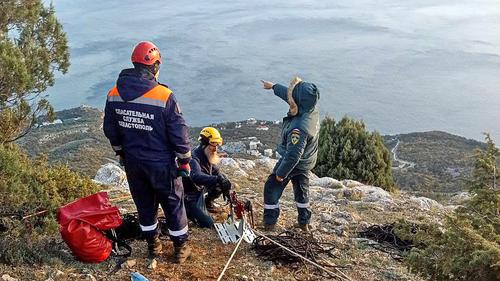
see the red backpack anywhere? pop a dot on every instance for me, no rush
(83, 224)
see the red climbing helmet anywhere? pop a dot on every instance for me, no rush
(146, 53)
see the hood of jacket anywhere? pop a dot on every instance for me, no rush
(133, 83)
(306, 96)
(304, 112)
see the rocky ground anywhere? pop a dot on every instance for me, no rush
(341, 209)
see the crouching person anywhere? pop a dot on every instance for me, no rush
(205, 183)
(298, 147)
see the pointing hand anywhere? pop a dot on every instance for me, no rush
(267, 85)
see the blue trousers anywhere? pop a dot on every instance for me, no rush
(272, 194)
(154, 184)
(197, 211)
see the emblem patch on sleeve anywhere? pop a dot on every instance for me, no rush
(295, 136)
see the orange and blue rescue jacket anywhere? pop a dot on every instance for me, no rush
(143, 121)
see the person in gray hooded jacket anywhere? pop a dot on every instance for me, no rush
(298, 149)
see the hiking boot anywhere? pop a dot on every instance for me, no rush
(269, 227)
(154, 247)
(182, 253)
(212, 207)
(304, 227)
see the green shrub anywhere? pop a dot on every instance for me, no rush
(26, 187)
(467, 247)
(348, 151)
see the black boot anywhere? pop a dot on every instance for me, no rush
(154, 246)
(304, 227)
(269, 227)
(181, 252)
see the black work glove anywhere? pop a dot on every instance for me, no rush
(225, 185)
(121, 157)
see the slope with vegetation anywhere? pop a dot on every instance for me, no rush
(467, 245)
(30, 193)
(442, 162)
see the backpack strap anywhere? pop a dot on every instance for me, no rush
(118, 243)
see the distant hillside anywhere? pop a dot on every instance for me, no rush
(75, 138)
(441, 161)
(429, 163)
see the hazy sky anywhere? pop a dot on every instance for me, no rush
(401, 66)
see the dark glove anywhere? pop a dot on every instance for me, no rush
(225, 185)
(183, 170)
(121, 157)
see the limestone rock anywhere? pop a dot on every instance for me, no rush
(340, 230)
(268, 152)
(351, 183)
(254, 144)
(240, 174)
(234, 147)
(232, 167)
(425, 203)
(340, 221)
(374, 194)
(111, 174)
(267, 162)
(312, 176)
(326, 182)
(460, 198)
(352, 194)
(128, 264)
(345, 216)
(229, 163)
(89, 277)
(153, 264)
(253, 152)
(245, 164)
(365, 193)
(54, 274)
(7, 277)
(326, 217)
(343, 202)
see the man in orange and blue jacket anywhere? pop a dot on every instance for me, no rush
(145, 127)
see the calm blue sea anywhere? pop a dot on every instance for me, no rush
(400, 65)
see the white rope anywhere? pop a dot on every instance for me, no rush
(343, 277)
(230, 259)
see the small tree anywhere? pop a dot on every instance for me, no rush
(32, 47)
(484, 179)
(468, 246)
(348, 151)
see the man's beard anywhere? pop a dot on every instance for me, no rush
(213, 157)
